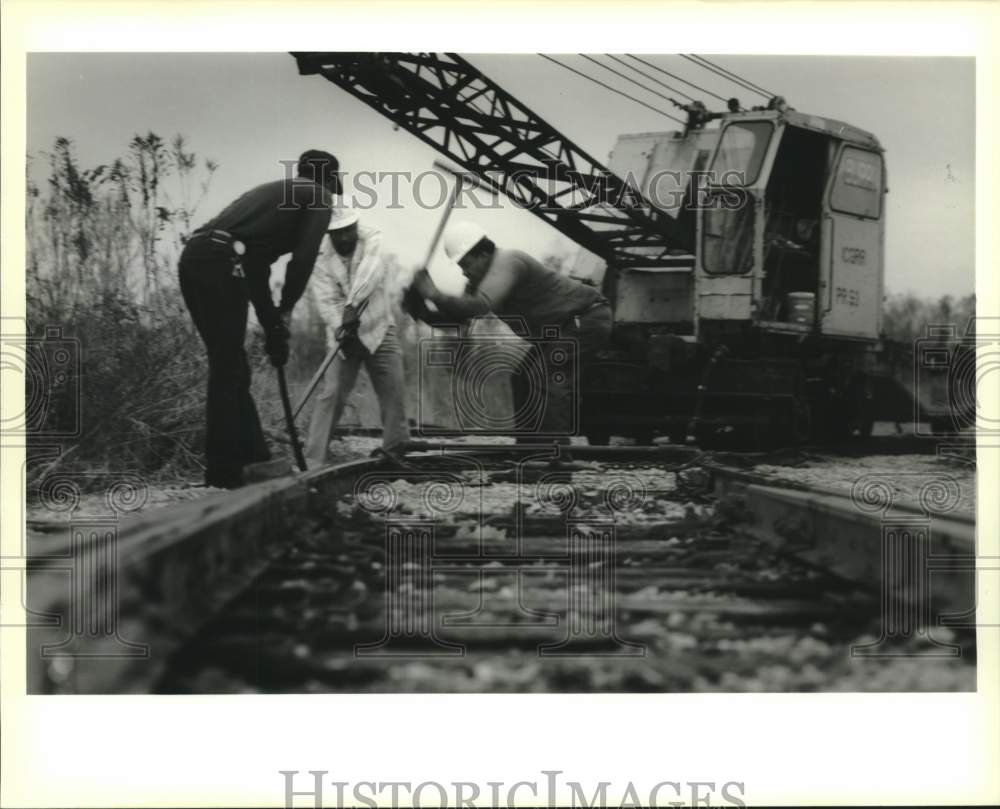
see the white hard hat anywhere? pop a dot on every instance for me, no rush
(342, 215)
(460, 238)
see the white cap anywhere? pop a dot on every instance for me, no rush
(460, 238)
(342, 215)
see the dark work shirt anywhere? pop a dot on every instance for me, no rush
(284, 216)
(518, 286)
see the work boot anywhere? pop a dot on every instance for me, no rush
(267, 470)
(392, 458)
(224, 476)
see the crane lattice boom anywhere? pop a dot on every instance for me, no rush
(450, 105)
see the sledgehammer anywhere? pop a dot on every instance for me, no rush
(461, 177)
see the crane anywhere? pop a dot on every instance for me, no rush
(751, 315)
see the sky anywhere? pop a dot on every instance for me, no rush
(247, 111)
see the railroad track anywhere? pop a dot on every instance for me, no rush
(639, 569)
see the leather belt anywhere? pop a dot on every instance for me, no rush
(226, 239)
(221, 237)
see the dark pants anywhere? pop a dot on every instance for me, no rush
(217, 301)
(547, 386)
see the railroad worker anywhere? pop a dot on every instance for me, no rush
(225, 264)
(350, 288)
(559, 312)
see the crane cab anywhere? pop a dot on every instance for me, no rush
(771, 316)
(791, 228)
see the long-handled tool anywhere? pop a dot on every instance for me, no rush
(327, 360)
(452, 196)
(461, 178)
(286, 405)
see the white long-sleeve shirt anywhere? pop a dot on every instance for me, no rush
(336, 283)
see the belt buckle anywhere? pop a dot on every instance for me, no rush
(238, 250)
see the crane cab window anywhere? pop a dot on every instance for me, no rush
(728, 228)
(857, 183)
(741, 153)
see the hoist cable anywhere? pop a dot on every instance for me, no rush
(732, 77)
(629, 78)
(677, 78)
(612, 89)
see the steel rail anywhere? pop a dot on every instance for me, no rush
(163, 574)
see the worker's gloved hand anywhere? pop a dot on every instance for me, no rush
(416, 307)
(413, 304)
(346, 335)
(351, 319)
(423, 284)
(276, 343)
(347, 332)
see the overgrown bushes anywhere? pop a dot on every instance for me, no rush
(102, 245)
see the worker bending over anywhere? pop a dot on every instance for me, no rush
(350, 289)
(227, 262)
(559, 313)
